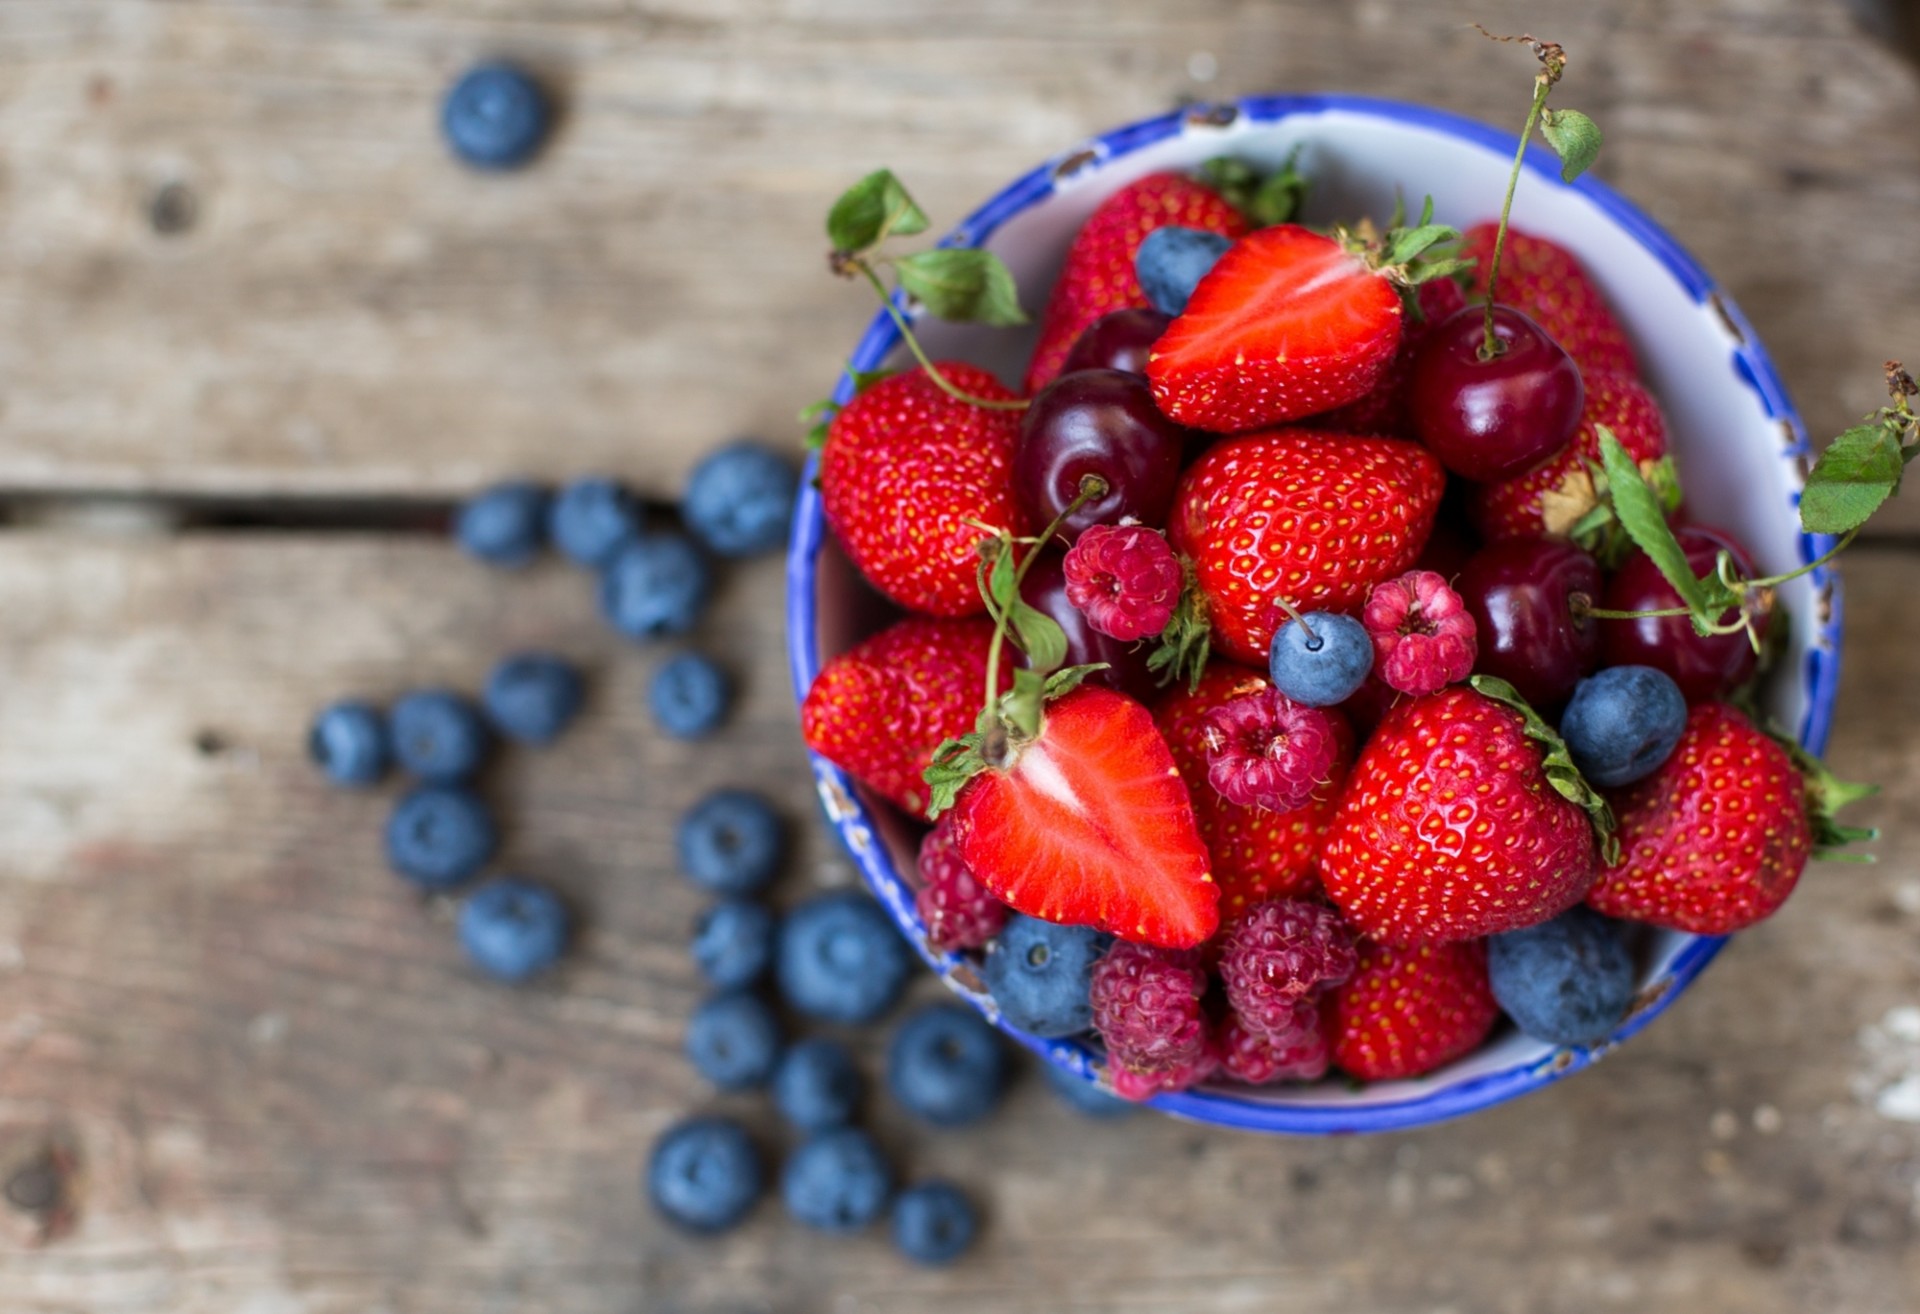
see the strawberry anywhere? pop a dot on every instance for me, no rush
(1386, 410)
(1098, 279)
(1407, 1011)
(1450, 827)
(879, 710)
(1547, 282)
(1257, 854)
(1314, 518)
(906, 466)
(1088, 823)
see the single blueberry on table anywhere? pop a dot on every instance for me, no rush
(689, 696)
(1170, 263)
(817, 1085)
(592, 519)
(733, 1040)
(438, 735)
(531, 696)
(505, 525)
(933, 1223)
(731, 842)
(1323, 662)
(837, 1181)
(733, 942)
(839, 958)
(654, 586)
(439, 835)
(705, 1174)
(495, 116)
(1567, 982)
(513, 929)
(946, 1065)
(349, 742)
(1085, 1096)
(1040, 975)
(1623, 723)
(739, 501)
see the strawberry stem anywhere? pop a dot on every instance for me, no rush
(1553, 61)
(939, 380)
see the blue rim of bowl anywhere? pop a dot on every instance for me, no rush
(1820, 674)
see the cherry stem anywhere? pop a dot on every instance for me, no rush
(1301, 621)
(1542, 83)
(1774, 581)
(1091, 486)
(913, 345)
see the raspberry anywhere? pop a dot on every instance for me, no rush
(1424, 638)
(1276, 956)
(1124, 579)
(1266, 751)
(1147, 1007)
(1130, 1085)
(1297, 1054)
(957, 909)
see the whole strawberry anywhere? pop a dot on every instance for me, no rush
(879, 710)
(908, 475)
(1098, 276)
(1450, 828)
(1407, 1011)
(1315, 519)
(1547, 282)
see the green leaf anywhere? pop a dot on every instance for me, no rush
(1064, 681)
(1039, 635)
(1187, 641)
(1022, 706)
(1575, 138)
(1558, 765)
(1274, 198)
(1826, 794)
(1639, 510)
(864, 379)
(1857, 472)
(1003, 584)
(1405, 244)
(1663, 477)
(820, 415)
(963, 285)
(872, 210)
(954, 763)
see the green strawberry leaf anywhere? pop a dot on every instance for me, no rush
(1269, 199)
(1022, 707)
(1187, 641)
(1859, 470)
(954, 763)
(1826, 794)
(1039, 636)
(1641, 513)
(963, 285)
(872, 210)
(1558, 765)
(1575, 138)
(1064, 681)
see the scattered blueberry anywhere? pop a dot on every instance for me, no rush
(1085, 1096)
(437, 735)
(1623, 723)
(1170, 263)
(933, 1223)
(739, 501)
(733, 942)
(837, 1181)
(817, 1085)
(839, 959)
(654, 586)
(532, 696)
(731, 842)
(349, 741)
(1040, 973)
(1567, 982)
(592, 519)
(513, 929)
(495, 116)
(1326, 668)
(689, 696)
(946, 1065)
(439, 835)
(705, 1174)
(504, 526)
(733, 1040)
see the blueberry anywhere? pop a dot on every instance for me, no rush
(733, 942)
(689, 696)
(1039, 973)
(349, 741)
(731, 842)
(592, 519)
(933, 1223)
(513, 929)
(495, 116)
(839, 959)
(437, 735)
(1623, 723)
(733, 1040)
(504, 526)
(532, 696)
(739, 501)
(1567, 982)
(1323, 669)
(705, 1174)
(439, 835)
(837, 1181)
(653, 586)
(817, 1085)
(946, 1065)
(1171, 262)
(1085, 1096)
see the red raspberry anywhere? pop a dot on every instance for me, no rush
(1277, 956)
(1266, 751)
(1298, 1054)
(1147, 1007)
(1130, 1085)
(1124, 579)
(1424, 638)
(957, 909)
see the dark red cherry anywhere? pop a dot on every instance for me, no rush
(1703, 667)
(1045, 589)
(1492, 419)
(1119, 341)
(1100, 422)
(1529, 597)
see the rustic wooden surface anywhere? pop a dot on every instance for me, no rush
(275, 1085)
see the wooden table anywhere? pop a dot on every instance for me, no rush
(256, 332)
